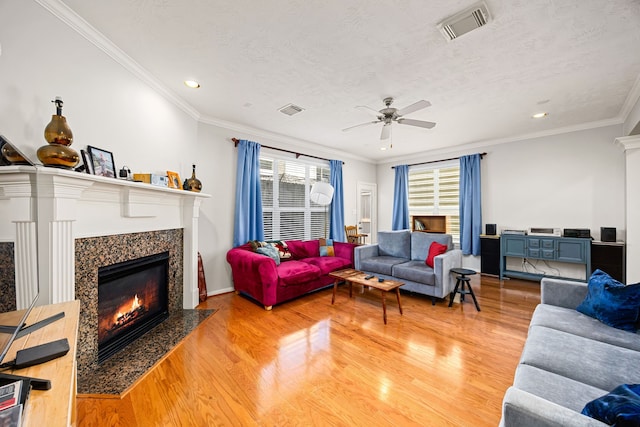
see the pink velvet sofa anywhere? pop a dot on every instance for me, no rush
(258, 276)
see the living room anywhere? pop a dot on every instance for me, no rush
(567, 174)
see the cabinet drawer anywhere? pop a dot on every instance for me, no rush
(547, 244)
(533, 253)
(548, 254)
(534, 243)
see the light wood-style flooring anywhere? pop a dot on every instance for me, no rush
(310, 363)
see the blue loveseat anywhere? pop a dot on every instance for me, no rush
(569, 359)
(400, 255)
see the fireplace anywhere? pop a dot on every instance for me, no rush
(133, 297)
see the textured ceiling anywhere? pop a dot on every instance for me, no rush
(576, 59)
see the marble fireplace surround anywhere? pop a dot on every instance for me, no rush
(95, 252)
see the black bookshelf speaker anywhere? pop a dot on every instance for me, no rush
(608, 234)
(490, 229)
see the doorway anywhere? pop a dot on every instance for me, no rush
(366, 207)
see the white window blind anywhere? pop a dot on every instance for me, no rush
(435, 190)
(288, 213)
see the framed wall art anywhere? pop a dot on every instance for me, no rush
(174, 180)
(86, 159)
(102, 162)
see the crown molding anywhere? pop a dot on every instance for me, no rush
(631, 100)
(629, 142)
(65, 14)
(288, 142)
(478, 145)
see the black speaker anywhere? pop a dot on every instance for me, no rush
(608, 234)
(490, 229)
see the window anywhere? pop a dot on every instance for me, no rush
(435, 190)
(288, 213)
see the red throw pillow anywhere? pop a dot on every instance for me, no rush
(434, 250)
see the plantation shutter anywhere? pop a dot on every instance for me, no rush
(435, 191)
(288, 213)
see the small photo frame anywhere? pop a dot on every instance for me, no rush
(86, 159)
(174, 180)
(102, 162)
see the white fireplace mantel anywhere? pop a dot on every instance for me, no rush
(48, 209)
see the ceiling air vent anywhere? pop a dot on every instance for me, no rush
(468, 20)
(291, 109)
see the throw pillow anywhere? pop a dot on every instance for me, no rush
(269, 251)
(326, 247)
(611, 302)
(621, 407)
(434, 250)
(282, 248)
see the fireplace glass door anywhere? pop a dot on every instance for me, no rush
(132, 299)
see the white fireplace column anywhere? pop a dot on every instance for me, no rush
(17, 206)
(57, 209)
(191, 213)
(631, 146)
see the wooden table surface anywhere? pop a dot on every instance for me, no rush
(54, 407)
(352, 276)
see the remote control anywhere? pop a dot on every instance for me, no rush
(369, 277)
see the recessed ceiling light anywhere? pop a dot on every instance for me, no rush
(540, 115)
(383, 148)
(192, 84)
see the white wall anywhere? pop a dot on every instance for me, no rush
(572, 180)
(108, 107)
(105, 105)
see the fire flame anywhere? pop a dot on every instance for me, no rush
(134, 305)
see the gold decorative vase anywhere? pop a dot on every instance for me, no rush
(193, 183)
(12, 156)
(59, 136)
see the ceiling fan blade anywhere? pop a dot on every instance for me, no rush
(418, 123)
(369, 110)
(386, 132)
(414, 107)
(361, 124)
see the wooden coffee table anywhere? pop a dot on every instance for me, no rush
(352, 276)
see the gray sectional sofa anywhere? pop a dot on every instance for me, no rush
(569, 359)
(400, 255)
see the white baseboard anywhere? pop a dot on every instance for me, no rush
(220, 291)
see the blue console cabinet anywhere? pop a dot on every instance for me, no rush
(549, 248)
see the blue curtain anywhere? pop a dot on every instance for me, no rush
(248, 215)
(336, 232)
(400, 219)
(470, 206)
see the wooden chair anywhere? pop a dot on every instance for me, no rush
(353, 236)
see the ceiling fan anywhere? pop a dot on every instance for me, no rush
(389, 115)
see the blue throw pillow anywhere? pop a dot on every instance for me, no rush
(620, 408)
(611, 302)
(271, 252)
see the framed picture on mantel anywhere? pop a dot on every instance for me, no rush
(173, 179)
(102, 161)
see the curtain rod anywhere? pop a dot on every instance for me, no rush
(438, 161)
(236, 141)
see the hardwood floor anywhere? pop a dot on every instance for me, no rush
(308, 362)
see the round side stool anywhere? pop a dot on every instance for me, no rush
(463, 287)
